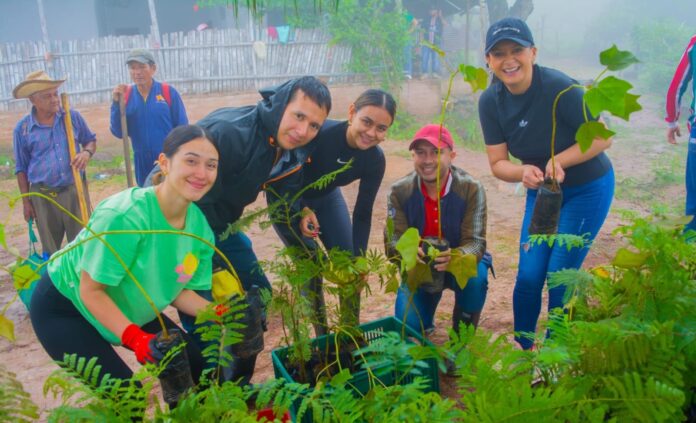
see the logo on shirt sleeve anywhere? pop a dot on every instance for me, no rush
(186, 269)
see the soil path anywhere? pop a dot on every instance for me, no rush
(27, 359)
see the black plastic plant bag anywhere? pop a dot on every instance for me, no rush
(438, 283)
(176, 378)
(547, 209)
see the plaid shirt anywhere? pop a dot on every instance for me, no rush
(41, 151)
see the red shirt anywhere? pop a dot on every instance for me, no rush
(430, 205)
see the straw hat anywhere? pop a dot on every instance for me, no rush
(34, 82)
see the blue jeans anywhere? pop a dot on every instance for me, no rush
(336, 232)
(429, 57)
(691, 181)
(420, 313)
(408, 59)
(583, 212)
(332, 213)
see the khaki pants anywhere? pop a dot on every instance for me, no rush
(51, 222)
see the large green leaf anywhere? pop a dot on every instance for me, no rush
(23, 276)
(463, 267)
(615, 59)
(407, 246)
(7, 328)
(590, 131)
(475, 76)
(611, 94)
(418, 275)
(2, 236)
(628, 259)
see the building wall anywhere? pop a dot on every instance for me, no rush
(65, 20)
(86, 19)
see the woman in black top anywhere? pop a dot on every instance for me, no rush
(339, 142)
(515, 113)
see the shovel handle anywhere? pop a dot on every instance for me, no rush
(126, 141)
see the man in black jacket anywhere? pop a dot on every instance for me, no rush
(261, 147)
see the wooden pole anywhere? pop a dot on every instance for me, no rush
(84, 215)
(126, 141)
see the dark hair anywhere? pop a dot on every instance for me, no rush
(313, 88)
(378, 98)
(182, 135)
(177, 137)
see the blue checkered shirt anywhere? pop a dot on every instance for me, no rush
(41, 151)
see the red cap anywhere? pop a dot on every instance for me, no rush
(435, 134)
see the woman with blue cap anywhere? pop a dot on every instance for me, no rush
(516, 118)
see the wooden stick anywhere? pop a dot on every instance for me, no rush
(73, 151)
(126, 141)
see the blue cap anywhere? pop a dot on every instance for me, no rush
(512, 29)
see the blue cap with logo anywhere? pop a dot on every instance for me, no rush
(512, 29)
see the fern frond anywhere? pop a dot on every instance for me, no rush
(15, 403)
(633, 397)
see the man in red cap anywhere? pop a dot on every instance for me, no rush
(413, 202)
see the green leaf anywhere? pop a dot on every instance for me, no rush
(463, 267)
(418, 275)
(7, 328)
(392, 285)
(590, 131)
(2, 236)
(435, 48)
(23, 276)
(611, 94)
(475, 76)
(615, 59)
(407, 246)
(341, 378)
(390, 228)
(628, 259)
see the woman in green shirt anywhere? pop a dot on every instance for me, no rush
(86, 302)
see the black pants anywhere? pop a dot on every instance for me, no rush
(61, 329)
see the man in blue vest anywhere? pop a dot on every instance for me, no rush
(153, 109)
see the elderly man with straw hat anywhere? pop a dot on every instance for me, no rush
(43, 163)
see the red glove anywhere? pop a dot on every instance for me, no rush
(141, 343)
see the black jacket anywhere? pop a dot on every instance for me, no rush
(245, 137)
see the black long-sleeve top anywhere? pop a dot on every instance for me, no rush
(332, 153)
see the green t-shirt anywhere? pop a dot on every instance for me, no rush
(164, 264)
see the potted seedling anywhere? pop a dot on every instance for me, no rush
(607, 95)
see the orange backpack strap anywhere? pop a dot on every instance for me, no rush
(166, 94)
(127, 94)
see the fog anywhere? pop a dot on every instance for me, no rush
(568, 28)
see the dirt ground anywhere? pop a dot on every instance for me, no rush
(635, 150)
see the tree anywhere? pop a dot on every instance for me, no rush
(498, 9)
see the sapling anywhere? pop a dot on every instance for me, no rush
(608, 95)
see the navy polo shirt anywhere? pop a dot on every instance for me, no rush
(524, 123)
